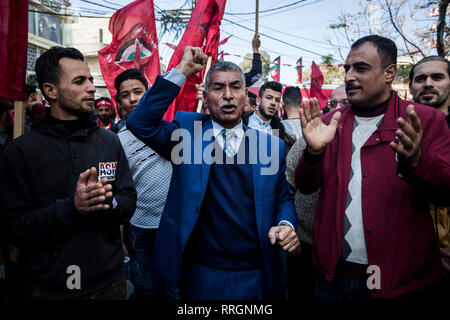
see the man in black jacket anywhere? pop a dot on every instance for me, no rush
(66, 187)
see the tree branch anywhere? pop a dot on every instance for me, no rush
(401, 33)
(440, 45)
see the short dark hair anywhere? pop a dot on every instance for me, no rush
(251, 98)
(273, 85)
(426, 59)
(292, 96)
(133, 74)
(29, 90)
(48, 69)
(117, 98)
(386, 48)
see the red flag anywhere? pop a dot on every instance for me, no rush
(316, 86)
(299, 68)
(224, 40)
(274, 69)
(134, 44)
(174, 47)
(203, 30)
(222, 56)
(13, 48)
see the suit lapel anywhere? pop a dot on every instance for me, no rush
(257, 186)
(205, 166)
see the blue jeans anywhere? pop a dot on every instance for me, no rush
(341, 289)
(153, 287)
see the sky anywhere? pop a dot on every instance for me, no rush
(303, 27)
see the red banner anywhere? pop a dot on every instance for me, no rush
(13, 48)
(316, 85)
(274, 69)
(222, 56)
(203, 30)
(222, 42)
(174, 47)
(299, 68)
(134, 44)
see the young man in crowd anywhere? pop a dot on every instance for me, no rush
(105, 111)
(151, 175)
(265, 118)
(292, 100)
(430, 85)
(66, 188)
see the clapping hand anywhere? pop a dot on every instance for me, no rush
(409, 136)
(90, 194)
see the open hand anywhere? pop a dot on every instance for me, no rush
(316, 133)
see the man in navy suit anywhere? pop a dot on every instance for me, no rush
(228, 202)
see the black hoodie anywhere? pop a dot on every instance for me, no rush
(38, 175)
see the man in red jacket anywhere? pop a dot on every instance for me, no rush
(378, 162)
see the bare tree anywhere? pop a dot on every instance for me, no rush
(400, 20)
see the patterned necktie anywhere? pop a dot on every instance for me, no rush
(228, 135)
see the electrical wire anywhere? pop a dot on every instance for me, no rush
(270, 37)
(264, 11)
(68, 15)
(99, 5)
(274, 13)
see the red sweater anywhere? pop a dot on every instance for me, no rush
(398, 229)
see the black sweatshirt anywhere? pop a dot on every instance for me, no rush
(38, 174)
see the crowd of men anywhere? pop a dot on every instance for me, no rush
(346, 203)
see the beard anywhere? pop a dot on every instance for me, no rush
(265, 114)
(82, 108)
(436, 104)
(105, 118)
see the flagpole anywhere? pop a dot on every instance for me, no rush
(200, 102)
(257, 16)
(19, 118)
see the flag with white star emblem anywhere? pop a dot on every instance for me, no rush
(134, 44)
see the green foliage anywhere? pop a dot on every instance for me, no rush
(32, 80)
(402, 75)
(246, 64)
(328, 59)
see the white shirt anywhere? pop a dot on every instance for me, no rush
(293, 127)
(257, 123)
(237, 138)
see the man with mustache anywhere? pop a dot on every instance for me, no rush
(430, 85)
(66, 188)
(378, 162)
(223, 216)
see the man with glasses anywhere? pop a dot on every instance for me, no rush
(338, 98)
